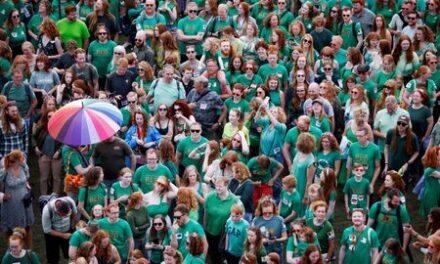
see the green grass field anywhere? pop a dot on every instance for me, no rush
(339, 224)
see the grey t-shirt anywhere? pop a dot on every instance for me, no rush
(57, 223)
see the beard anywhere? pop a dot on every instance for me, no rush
(13, 119)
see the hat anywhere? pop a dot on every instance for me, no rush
(363, 68)
(404, 118)
(319, 101)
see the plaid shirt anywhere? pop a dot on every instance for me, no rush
(14, 140)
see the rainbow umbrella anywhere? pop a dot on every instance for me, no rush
(85, 122)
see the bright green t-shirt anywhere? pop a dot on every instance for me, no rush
(185, 146)
(191, 27)
(358, 245)
(293, 134)
(119, 232)
(76, 30)
(357, 193)
(365, 155)
(243, 105)
(260, 174)
(290, 202)
(145, 178)
(278, 70)
(28, 258)
(347, 34)
(217, 211)
(183, 232)
(77, 238)
(94, 197)
(324, 233)
(5, 7)
(102, 54)
(117, 191)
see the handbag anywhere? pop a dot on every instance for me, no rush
(28, 197)
(72, 182)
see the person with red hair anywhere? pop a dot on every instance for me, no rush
(431, 195)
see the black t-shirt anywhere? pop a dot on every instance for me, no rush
(111, 157)
(120, 85)
(65, 61)
(109, 23)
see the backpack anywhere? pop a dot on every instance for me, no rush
(51, 209)
(179, 88)
(45, 199)
(210, 33)
(399, 220)
(353, 29)
(27, 88)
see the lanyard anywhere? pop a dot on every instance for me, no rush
(354, 239)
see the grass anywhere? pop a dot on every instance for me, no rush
(340, 222)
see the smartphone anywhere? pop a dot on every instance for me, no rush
(266, 100)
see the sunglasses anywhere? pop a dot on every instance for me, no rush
(102, 33)
(177, 217)
(15, 16)
(162, 109)
(281, 3)
(117, 53)
(307, 41)
(192, 11)
(140, 70)
(138, 40)
(433, 62)
(345, 15)
(387, 87)
(149, 5)
(327, 69)
(196, 130)
(236, 140)
(131, 102)
(190, 51)
(402, 124)
(176, 109)
(249, 68)
(354, 92)
(158, 224)
(333, 11)
(300, 75)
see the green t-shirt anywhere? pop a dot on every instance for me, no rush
(183, 232)
(260, 174)
(293, 134)
(6, 65)
(5, 7)
(117, 191)
(252, 84)
(382, 77)
(190, 259)
(145, 178)
(298, 247)
(259, 12)
(75, 159)
(84, 10)
(102, 54)
(430, 87)
(217, 211)
(324, 233)
(20, 97)
(16, 35)
(365, 155)
(243, 105)
(191, 27)
(237, 234)
(387, 222)
(357, 193)
(347, 34)
(119, 232)
(290, 202)
(77, 238)
(323, 124)
(325, 161)
(94, 197)
(358, 245)
(278, 70)
(28, 258)
(431, 195)
(76, 30)
(185, 146)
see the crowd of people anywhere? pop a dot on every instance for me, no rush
(243, 122)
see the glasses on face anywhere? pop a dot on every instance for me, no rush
(117, 53)
(281, 3)
(190, 51)
(162, 109)
(177, 217)
(138, 40)
(412, 18)
(149, 5)
(307, 41)
(354, 92)
(131, 102)
(327, 69)
(140, 70)
(249, 68)
(296, 230)
(15, 16)
(359, 170)
(386, 87)
(300, 75)
(196, 130)
(177, 109)
(430, 4)
(192, 11)
(236, 140)
(259, 92)
(333, 11)
(158, 224)
(433, 62)
(300, 91)
(402, 124)
(236, 94)
(267, 213)
(345, 15)
(102, 33)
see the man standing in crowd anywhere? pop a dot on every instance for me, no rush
(71, 28)
(350, 31)
(386, 119)
(411, 28)
(142, 50)
(364, 152)
(23, 95)
(321, 36)
(363, 16)
(388, 217)
(85, 71)
(14, 132)
(196, 65)
(193, 142)
(58, 221)
(148, 19)
(183, 227)
(340, 53)
(120, 82)
(207, 107)
(146, 175)
(120, 232)
(359, 243)
(111, 155)
(166, 90)
(191, 30)
(67, 59)
(303, 125)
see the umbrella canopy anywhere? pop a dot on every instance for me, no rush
(85, 122)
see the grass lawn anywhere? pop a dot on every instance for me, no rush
(340, 222)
